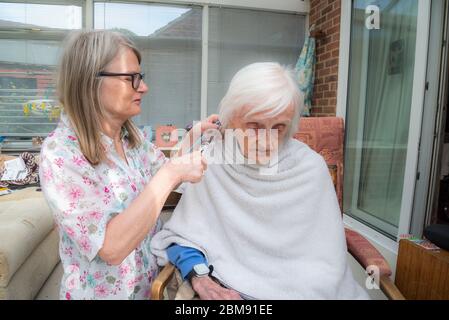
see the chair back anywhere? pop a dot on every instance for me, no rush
(325, 135)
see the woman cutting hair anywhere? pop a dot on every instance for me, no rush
(104, 181)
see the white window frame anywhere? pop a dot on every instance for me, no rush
(382, 242)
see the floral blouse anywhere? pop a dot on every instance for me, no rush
(83, 198)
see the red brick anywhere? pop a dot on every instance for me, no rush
(336, 21)
(324, 72)
(334, 70)
(329, 110)
(327, 9)
(322, 102)
(331, 78)
(331, 62)
(318, 95)
(330, 94)
(325, 14)
(323, 87)
(334, 30)
(332, 46)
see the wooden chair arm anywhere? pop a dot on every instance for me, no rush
(389, 289)
(161, 281)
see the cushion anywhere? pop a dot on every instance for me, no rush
(25, 193)
(24, 224)
(365, 253)
(325, 135)
(52, 287)
(29, 278)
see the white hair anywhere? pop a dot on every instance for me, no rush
(267, 87)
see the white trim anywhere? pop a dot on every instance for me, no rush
(343, 61)
(296, 6)
(419, 84)
(424, 191)
(306, 26)
(89, 14)
(361, 123)
(50, 2)
(371, 234)
(204, 62)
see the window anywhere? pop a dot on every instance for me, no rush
(240, 37)
(170, 38)
(30, 38)
(381, 86)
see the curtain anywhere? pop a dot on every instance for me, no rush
(305, 72)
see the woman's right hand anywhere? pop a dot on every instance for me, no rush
(187, 168)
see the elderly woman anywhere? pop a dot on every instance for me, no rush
(247, 231)
(104, 181)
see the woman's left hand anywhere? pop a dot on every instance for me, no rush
(195, 133)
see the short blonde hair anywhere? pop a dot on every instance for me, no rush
(266, 87)
(86, 53)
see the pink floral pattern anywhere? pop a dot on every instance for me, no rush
(83, 199)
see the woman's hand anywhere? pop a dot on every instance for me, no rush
(208, 289)
(187, 168)
(195, 133)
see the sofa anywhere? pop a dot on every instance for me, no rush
(28, 245)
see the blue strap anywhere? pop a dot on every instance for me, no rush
(184, 258)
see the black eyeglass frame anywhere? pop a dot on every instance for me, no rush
(134, 77)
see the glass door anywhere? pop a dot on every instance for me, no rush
(384, 107)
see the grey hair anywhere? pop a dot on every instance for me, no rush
(267, 87)
(85, 54)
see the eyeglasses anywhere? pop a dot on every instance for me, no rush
(135, 77)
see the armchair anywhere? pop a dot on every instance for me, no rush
(325, 135)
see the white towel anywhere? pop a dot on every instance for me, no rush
(277, 236)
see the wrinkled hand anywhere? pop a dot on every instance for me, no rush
(208, 289)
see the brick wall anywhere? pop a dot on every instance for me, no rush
(325, 14)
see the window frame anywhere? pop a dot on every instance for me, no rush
(382, 241)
